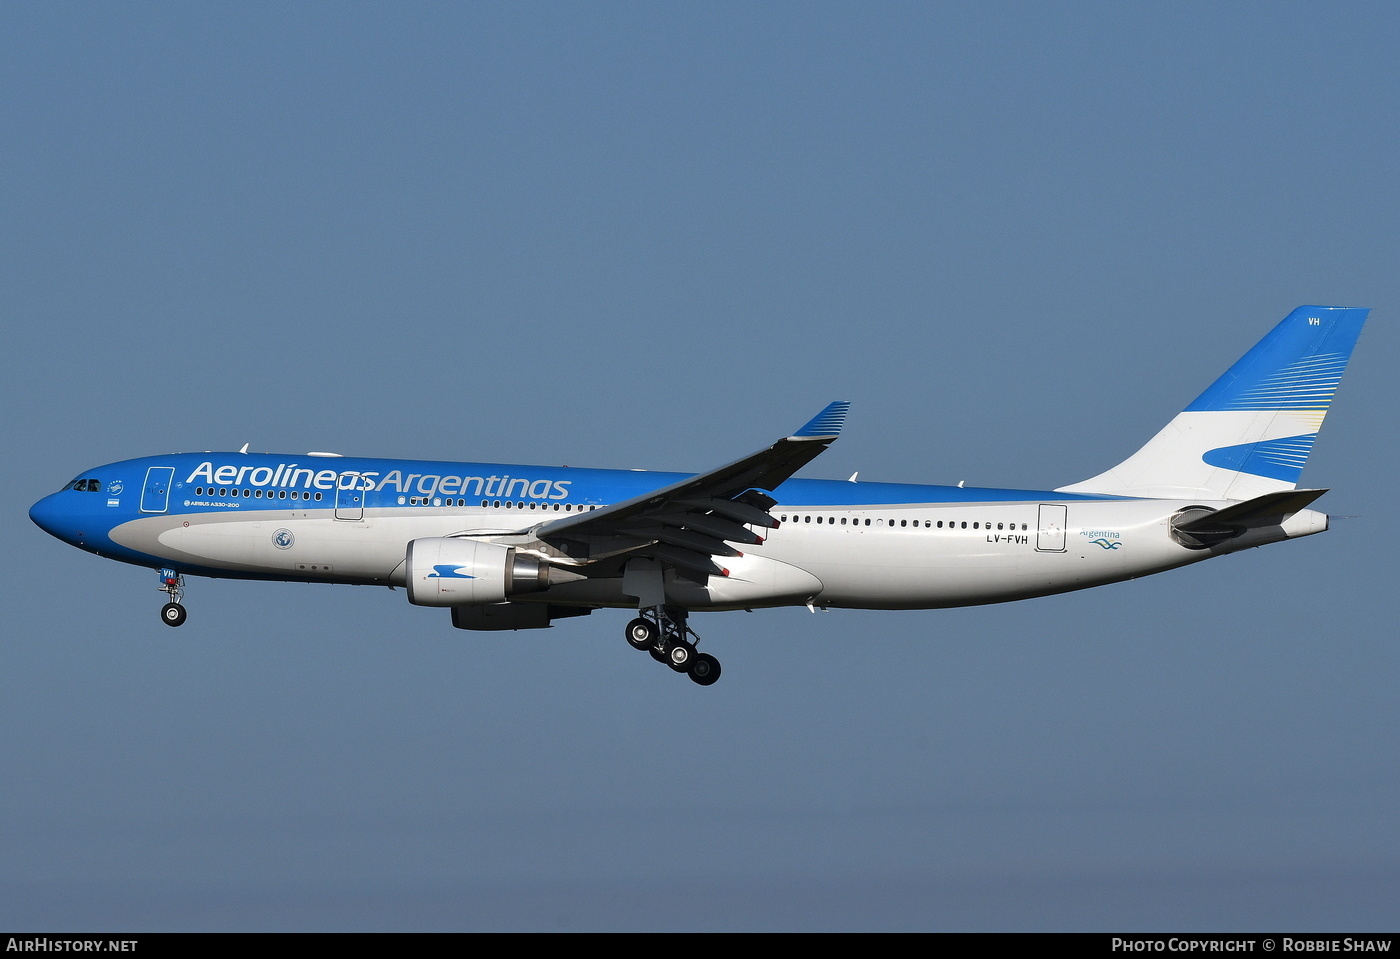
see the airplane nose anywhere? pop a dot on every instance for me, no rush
(48, 515)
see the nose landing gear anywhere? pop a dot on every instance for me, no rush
(172, 584)
(662, 631)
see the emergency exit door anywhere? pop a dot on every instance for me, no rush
(1050, 531)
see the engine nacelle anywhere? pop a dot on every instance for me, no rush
(448, 571)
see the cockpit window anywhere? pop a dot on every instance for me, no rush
(85, 485)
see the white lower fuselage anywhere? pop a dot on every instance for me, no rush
(905, 556)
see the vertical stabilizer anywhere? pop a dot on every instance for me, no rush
(1250, 433)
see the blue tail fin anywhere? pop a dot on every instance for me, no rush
(1249, 433)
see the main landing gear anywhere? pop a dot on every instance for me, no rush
(662, 631)
(172, 584)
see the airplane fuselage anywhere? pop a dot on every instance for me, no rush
(839, 544)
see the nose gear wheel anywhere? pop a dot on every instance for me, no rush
(172, 584)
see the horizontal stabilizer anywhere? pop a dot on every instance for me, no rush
(1271, 509)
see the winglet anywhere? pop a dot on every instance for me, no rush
(826, 424)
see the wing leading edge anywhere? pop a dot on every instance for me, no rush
(691, 522)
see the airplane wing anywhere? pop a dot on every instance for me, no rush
(689, 523)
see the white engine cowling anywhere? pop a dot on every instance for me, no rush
(448, 571)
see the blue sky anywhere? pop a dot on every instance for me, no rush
(1019, 237)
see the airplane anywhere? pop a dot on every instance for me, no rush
(518, 547)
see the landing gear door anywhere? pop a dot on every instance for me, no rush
(349, 497)
(155, 495)
(1050, 532)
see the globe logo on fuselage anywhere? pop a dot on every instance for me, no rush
(283, 539)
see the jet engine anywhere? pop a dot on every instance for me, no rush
(452, 571)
